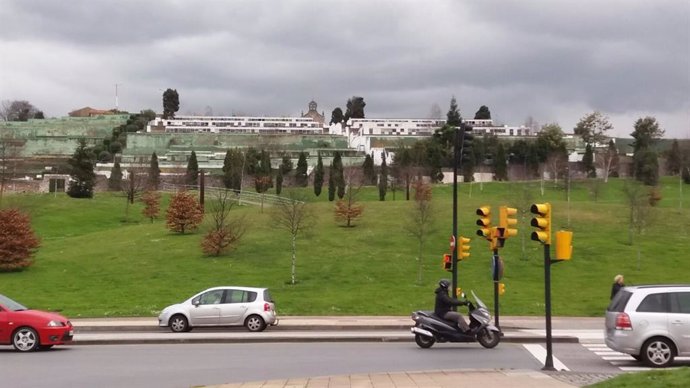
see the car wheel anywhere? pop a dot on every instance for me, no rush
(25, 339)
(179, 324)
(423, 341)
(254, 323)
(657, 352)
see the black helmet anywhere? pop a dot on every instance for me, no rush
(444, 283)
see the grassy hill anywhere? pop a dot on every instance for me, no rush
(92, 263)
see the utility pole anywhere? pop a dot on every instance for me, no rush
(117, 105)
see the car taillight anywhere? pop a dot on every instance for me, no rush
(267, 307)
(623, 322)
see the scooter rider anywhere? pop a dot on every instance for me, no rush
(444, 304)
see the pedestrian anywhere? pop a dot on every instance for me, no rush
(617, 285)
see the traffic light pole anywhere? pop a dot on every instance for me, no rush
(495, 270)
(548, 364)
(456, 157)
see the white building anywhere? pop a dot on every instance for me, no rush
(232, 124)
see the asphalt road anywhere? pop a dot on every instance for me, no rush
(185, 365)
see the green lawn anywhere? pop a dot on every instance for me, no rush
(672, 378)
(93, 262)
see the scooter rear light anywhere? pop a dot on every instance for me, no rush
(623, 322)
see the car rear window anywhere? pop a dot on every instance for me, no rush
(267, 296)
(619, 301)
(680, 302)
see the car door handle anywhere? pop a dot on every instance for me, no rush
(678, 322)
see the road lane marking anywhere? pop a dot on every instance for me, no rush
(539, 353)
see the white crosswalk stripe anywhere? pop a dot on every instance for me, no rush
(623, 361)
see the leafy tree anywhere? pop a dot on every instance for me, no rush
(383, 177)
(453, 116)
(550, 140)
(263, 179)
(301, 177)
(82, 176)
(184, 213)
(225, 232)
(420, 223)
(171, 103)
(501, 164)
(588, 162)
(152, 204)
(295, 216)
(232, 169)
(318, 176)
(18, 242)
(19, 110)
(251, 162)
(154, 173)
(685, 174)
(368, 170)
(355, 108)
(286, 165)
(338, 171)
(483, 113)
(115, 180)
(192, 174)
(337, 116)
(646, 133)
(592, 128)
(674, 159)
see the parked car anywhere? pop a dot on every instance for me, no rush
(250, 307)
(28, 330)
(651, 323)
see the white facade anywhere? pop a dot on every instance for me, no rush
(231, 124)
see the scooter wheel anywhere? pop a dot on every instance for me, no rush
(423, 341)
(488, 338)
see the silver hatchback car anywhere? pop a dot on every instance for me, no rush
(651, 323)
(250, 307)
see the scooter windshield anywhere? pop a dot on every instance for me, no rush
(479, 301)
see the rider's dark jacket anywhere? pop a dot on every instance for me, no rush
(444, 303)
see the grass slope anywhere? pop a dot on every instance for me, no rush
(92, 263)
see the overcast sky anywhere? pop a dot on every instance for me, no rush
(555, 61)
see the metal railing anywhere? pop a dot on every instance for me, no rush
(243, 197)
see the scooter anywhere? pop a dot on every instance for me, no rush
(430, 328)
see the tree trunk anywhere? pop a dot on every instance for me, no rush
(294, 256)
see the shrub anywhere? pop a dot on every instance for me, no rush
(17, 241)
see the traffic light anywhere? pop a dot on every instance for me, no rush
(448, 262)
(501, 288)
(484, 221)
(467, 140)
(506, 221)
(541, 221)
(463, 248)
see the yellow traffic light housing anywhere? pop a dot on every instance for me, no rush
(447, 262)
(463, 248)
(506, 222)
(541, 221)
(501, 288)
(484, 221)
(564, 245)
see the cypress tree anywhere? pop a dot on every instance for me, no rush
(279, 181)
(192, 176)
(588, 162)
(383, 178)
(331, 183)
(115, 180)
(318, 176)
(338, 175)
(368, 170)
(500, 165)
(154, 173)
(301, 178)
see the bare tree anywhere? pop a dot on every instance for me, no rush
(135, 184)
(556, 163)
(294, 215)
(348, 209)
(640, 215)
(226, 231)
(9, 155)
(607, 161)
(420, 220)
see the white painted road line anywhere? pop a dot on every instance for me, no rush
(539, 352)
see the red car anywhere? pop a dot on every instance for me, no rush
(29, 330)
